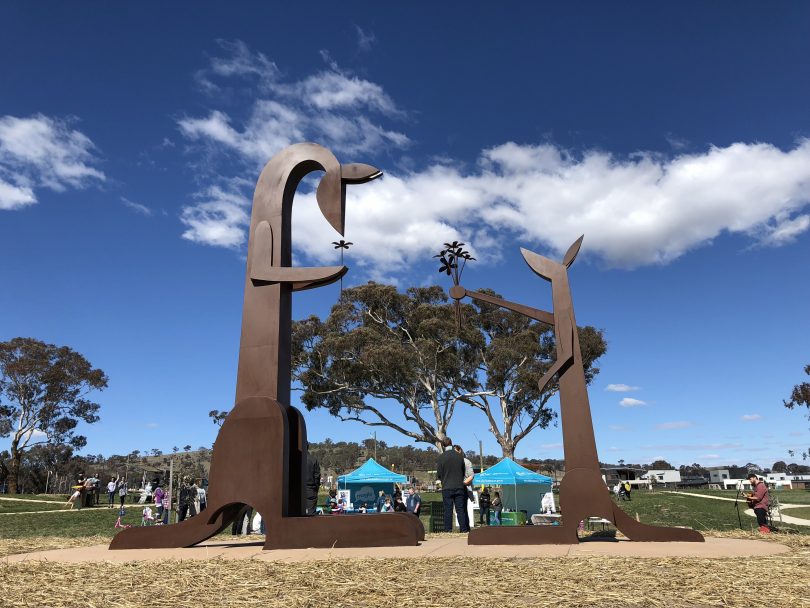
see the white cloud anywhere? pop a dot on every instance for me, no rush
(136, 207)
(42, 152)
(238, 61)
(217, 218)
(152, 425)
(751, 417)
(630, 402)
(364, 39)
(710, 456)
(621, 388)
(785, 230)
(617, 427)
(14, 197)
(645, 208)
(692, 447)
(683, 424)
(551, 446)
(34, 436)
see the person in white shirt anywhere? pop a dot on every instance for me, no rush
(111, 487)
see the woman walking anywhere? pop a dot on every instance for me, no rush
(122, 491)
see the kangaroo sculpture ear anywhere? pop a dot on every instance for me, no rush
(572, 252)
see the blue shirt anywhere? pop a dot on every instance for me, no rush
(412, 501)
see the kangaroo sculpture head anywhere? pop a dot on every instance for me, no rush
(549, 269)
(270, 241)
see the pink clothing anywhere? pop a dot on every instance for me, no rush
(760, 497)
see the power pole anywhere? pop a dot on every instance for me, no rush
(481, 452)
(375, 435)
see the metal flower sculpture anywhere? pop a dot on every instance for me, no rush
(342, 245)
(449, 257)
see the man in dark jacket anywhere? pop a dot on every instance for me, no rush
(450, 471)
(483, 504)
(312, 483)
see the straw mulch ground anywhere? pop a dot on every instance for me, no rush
(559, 582)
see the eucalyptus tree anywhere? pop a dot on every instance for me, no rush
(385, 358)
(44, 392)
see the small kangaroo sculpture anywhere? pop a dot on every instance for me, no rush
(583, 493)
(260, 452)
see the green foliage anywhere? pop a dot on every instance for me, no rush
(43, 396)
(516, 352)
(800, 394)
(798, 397)
(380, 344)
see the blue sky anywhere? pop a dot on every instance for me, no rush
(676, 138)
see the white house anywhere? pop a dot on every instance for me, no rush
(718, 475)
(662, 477)
(735, 484)
(778, 480)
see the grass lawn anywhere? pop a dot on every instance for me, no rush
(670, 509)
(658, 508)
(63, 523)
(12, 506)
(785, 496)
(49, 497)
(803, 512)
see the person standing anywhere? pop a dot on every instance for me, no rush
(627, 488)
(380, 501)
(159, 502)
(188, 494)
(759, 500)
(483, 505)
(166, 504)
(202, 497)
(90, 487)
(413, 503)
(97, 488)
(450, 470)
(122, 491)
(312, 483)
(111, 492)
(497, 507)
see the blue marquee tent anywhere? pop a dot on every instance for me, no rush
(366, 482)
(529, 486)
(509, 473)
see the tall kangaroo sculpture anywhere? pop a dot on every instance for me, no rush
(260, 452)
(582, 491)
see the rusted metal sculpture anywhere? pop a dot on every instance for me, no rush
(260, 453)
(583, 493)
